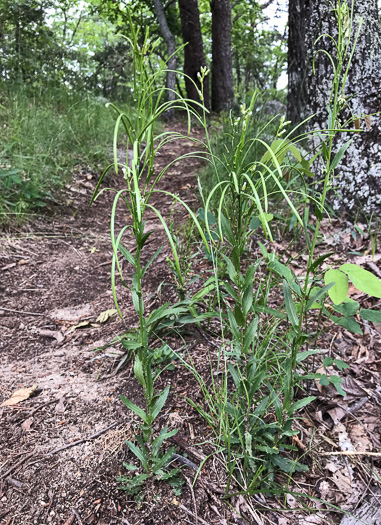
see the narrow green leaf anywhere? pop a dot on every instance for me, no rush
(157, 314)
(138, 411)
(301, 404)
(296, 153)
(251, 332)
(270, 311)
(339, 155)
(160, 402)
(229, 266)
(139, 453)
(288, 465)
(151, 260)
(138, 371)
(234, 326)
(127, 255)
(290, 308)
(319, 294)
(164, 434)
(320, 260)
(130, 467)
(301, 356)
(231, 291)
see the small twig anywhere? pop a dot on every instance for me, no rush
(20, 312)
(356, 406)
(185, 461)
(187, 511)
(104, 264)
(40, 407)
(14, 482)
(75, 443)
(77, 516)
(351, 453)
(3, 514)
(9, 471)
(193, 499)
(210, 341)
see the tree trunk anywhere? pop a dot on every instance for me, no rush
(358, 180)
(222, 65)
(194, 57)
(368, 513)
(171, 48)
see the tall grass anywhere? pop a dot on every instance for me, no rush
(43, 138)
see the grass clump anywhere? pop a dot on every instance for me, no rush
(43, 137)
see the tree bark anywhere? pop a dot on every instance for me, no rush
(357, 183)
(222, 62)
(368, 513)
(171, 48)
(194, 57)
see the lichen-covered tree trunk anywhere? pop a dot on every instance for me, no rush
(222, 61)
(194, 57)
(357, 183)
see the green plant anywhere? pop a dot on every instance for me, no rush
(46, 136)
(254, 370)
(183, 242)
(336, 282)
(141, 184)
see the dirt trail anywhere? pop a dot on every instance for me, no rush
(56, 271)
(54, 275)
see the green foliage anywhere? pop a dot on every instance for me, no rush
(45, 137)
(140, 185)
(256, 387)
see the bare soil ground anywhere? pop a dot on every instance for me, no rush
(62, 449)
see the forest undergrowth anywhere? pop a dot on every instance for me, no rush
(251, 272)
(268, 320)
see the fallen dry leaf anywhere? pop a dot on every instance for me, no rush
(58, 336)
(311, 520)
(19, 395)
(105, 316)
(27, 424)
(80, 325)
(72, 313)
(8, 267)
(342, 480)
(60, 406)
(359, 438)
(291, 501)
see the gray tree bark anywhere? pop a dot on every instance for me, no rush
(222, 61)
(357, 183)
(368, 513)
(171, 48)
(194, 57)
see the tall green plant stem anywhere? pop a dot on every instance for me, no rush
(335, 106)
